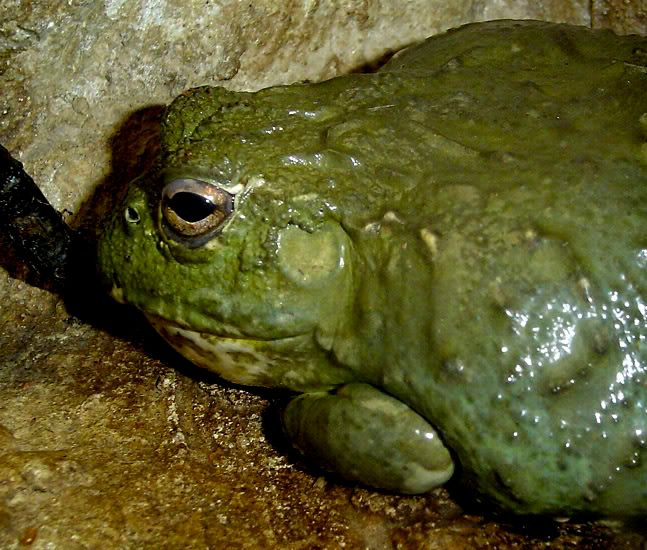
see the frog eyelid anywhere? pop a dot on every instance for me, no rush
(232, 185)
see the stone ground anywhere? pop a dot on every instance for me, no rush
(107, 438)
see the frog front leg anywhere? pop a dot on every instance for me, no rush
(365, 435)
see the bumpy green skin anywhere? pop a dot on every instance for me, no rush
(463, 230)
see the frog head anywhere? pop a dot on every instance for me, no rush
(230, 247)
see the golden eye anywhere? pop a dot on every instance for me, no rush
(193, 211)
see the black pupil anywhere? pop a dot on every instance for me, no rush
(191, 207)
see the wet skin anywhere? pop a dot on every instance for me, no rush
(446, 259)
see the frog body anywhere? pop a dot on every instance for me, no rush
(446, 259)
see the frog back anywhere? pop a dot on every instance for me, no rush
(511, 280)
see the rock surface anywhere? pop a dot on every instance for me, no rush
(623, 16)
(108, 439)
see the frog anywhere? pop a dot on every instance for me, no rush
(443, 262)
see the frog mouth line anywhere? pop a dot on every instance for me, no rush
(228, 333)
(240, 360)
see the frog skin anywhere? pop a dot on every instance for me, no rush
(445, 260)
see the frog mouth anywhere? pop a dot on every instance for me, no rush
(239, 359)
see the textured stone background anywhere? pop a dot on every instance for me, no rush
(108, 439)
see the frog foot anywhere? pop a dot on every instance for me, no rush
(367, 436)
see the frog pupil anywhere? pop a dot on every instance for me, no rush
(191, 207)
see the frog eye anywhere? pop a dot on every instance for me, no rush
(194, 210)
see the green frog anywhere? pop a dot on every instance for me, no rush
(445, 260)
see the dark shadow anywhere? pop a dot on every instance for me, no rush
(376, 64)
(276, 437)
(14, 264)
(134, 148)
(591, 530)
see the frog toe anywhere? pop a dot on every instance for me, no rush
(367, 436)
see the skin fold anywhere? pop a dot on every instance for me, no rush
(446, 260)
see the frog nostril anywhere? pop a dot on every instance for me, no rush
(131, 215)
